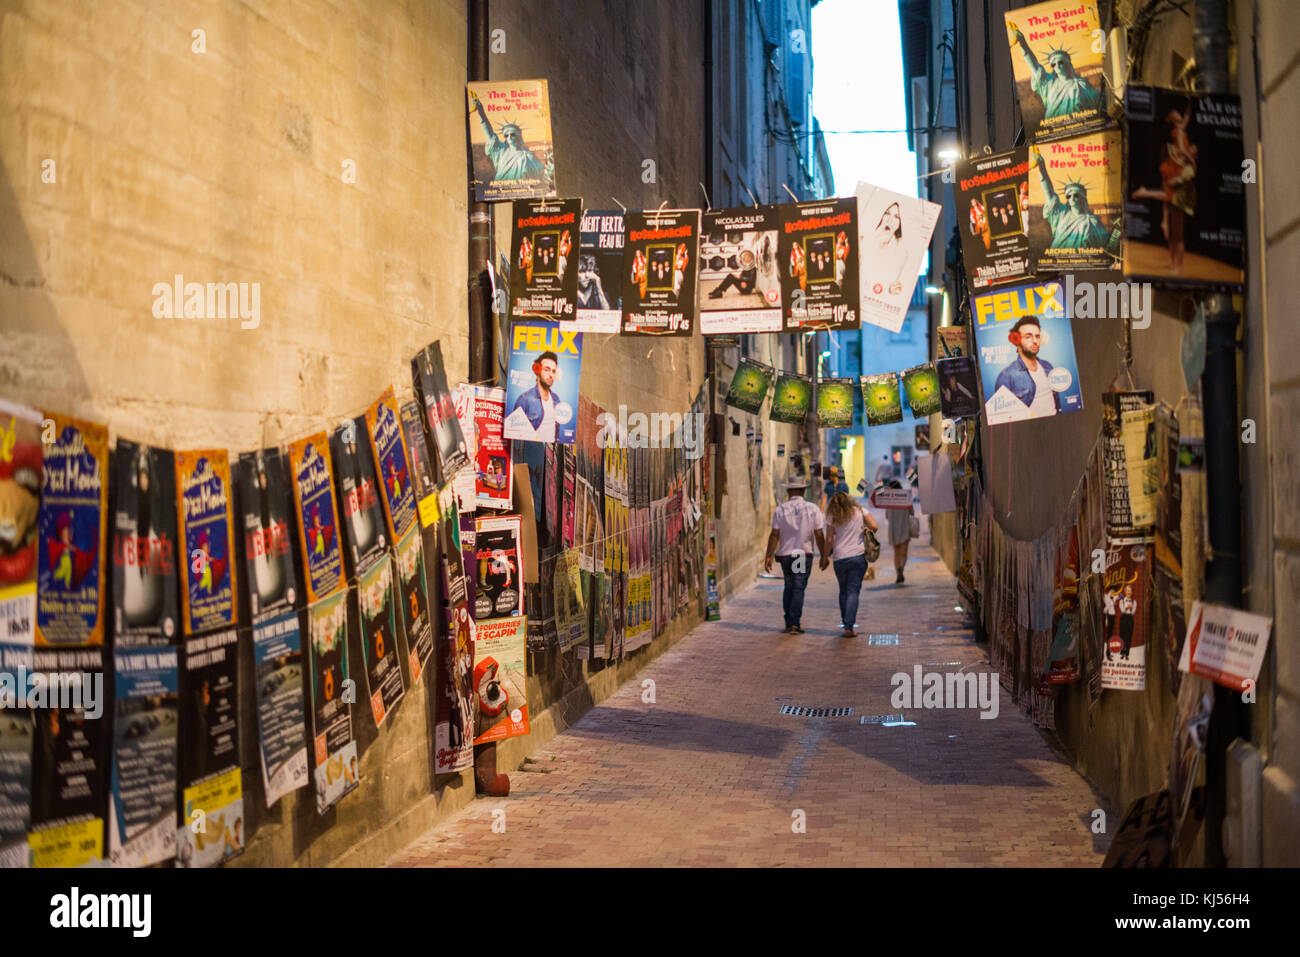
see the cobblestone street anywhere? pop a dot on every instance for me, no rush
(712, 773)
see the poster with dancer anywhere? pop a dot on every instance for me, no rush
(361, 516)
(921, 383)
(332, 693)
(281, 711)
(1184, 201)
(817, 254)
(20, 488)
(740, 280)
(211, 826)
(510, 140)
(1125, 615)
(207, 531)
(993, 206)
(600, 272)
(384, 429)
(1076, 203)
(500, 679)
(313, 496)
(894, 235)
(881, 399)
(146, 722)
(542, 382)
(1058, 68)
(73, 521)
(264, 490)
(660, 265)
(544, 272)
(791, 398)
(414, 602)
(749, 385)
(146, 606)
(383, 669)
(441, 424)
(455, 706)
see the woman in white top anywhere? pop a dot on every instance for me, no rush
(846, 524)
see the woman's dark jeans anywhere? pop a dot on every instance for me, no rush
(850, 572)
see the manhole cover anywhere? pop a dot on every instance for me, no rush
(799, 711)
(882, 639)
(881, 719)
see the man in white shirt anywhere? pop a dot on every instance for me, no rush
(796, 525)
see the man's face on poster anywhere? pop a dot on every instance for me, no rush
(586, 271)
(546, 370)
(1031, 338)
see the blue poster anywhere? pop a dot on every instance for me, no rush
(542, 388)
(142, 812)
(1026, 353)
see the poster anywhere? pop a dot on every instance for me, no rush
(660, 266)
(146, 722)
(335, 749)
(921, 383)
(146, 607)
(500, 677)
(952, 341)
(1184, 200)
(207, 531)
(993, 206)
(17, 730)
(20, 489)
(740, 276)
(749, 386)
(1026, 353)
(600, 272)
(959, 389)
(465, 482)
(570, 613)
(1076, 203)
(1190, 735)
(281, 714)
(417, 452)
(73, 518)
(894, 235)
(265, 499)
(881, 399)
(388, 448)
(414, 601)
(1125, 615)
(544, 273)
(1226, 645)
(510, 140)
(211, 826)
(69, 766)
(542, 383)
(835, 403)
(454, 711)
(1141, 463)
(711, 572)
(500, 568)
(1119, 512)
(791, 398)
(441, 425)
(313, 495)
(493, 477)
(818, 258)
(361, 516)
(1058, 68)
(383, 669)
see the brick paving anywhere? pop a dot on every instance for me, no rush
(712, 774)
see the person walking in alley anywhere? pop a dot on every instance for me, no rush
(834, 484)
(900, 533)
(848, 523)
(796, 524)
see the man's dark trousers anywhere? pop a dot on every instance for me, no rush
(795, 583)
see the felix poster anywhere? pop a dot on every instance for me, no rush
(660, 269)
(333, 746)
(1056, 55)
(313, 495)
(265, 499)
(600, 271)
(1026, 353)
(819, 264)
(740, 279)
(146, 722)
(893, 236)
(211, 826)
(510, 139)
(1126, 612)
(544, 273)
(542, 384)
(146, 607)
(1076, 203)
(207, 531)
(993, 210)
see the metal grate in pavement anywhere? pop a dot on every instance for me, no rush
(943, 664)
(799, 711)
(882, 639)
(881, 719)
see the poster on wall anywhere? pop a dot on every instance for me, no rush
(894, 235)
(993, 206)
(500, 573)
(660, 266)
(791, 398)
(1125, 615)
(921, 383)
(384, 429)
(1120, 520)
(20, 484)
(835, 403)
(493, 477)
(510, 140)
(1076, 203)
(333, 746)
(313, 496)
(1141, 463)
(1026, 353)
(818, 257)
(500, 679)
(542, 382)
(1184, 204)
(952, 341)
(207, 531)
(740, 276)
(146, 606)
(17, 731)
(361, 516)
(881, 399)
(465, 482)
(413, 597)
(544, 272)
(441, 424)
(281, 713)
(1226, 645)
(570, 612)
(600, 272)
(73, 519)
(454, 711)
(146, 722)
(749, 385)
(423, 485)
(1058, 68)
(211, 826)
(959, 389)
(382, 668)
(265, 499)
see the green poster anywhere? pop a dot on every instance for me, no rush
(922, 385)
(881, 399)
(791, 398)
(749, 385)
(835, 403)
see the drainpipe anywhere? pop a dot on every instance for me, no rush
(1223, 577)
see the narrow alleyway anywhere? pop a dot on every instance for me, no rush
(712, 773)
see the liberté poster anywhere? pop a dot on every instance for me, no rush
(334, 747)
(1057, 50)
(542, 382)
(600, 271)
(893, 236)
(365, 534)
(544, 273)
(20, 479)
(146, 607)
(510, 140)
(993, 206)
(1076, 203)
(1026, 353)
(281, 713)
(384, 426)
(211, 826)
(740, 280)
(500, 677)
(383, 669)
(313, 495)
(265, 500)
(207, 531)
(146, 722)
(881, 399)
(819, 264)
(660, 269)
(414, 602)
(73, 519)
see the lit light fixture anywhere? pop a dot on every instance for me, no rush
(933, 290)
(949, 151)
(826, 354)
